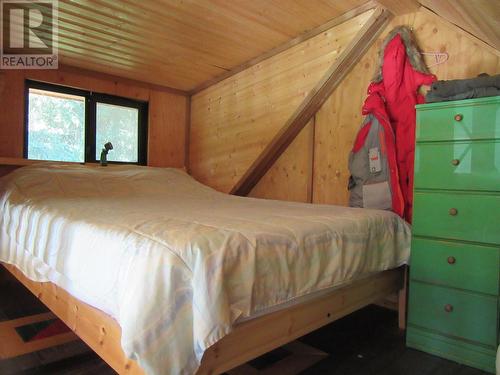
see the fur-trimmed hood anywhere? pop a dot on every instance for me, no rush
(412, 51)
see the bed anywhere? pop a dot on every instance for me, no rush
(161, 274)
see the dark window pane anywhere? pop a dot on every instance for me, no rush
(120, 126)
(56, 126)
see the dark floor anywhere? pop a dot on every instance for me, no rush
(367, 342)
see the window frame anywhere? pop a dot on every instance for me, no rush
(91, 100)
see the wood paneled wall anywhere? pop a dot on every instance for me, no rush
(233, 120)
(167, 110)
(479, 17)
(290, 178)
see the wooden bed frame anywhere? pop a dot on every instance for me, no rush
(248, 340)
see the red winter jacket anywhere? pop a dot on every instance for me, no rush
(394, 99)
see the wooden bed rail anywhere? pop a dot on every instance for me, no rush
(97, 329)
(258, 336)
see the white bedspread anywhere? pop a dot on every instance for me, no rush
(175, 262)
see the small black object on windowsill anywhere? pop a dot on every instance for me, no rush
(104, 153)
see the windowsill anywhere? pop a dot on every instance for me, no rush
(17, 161)
(22, 162)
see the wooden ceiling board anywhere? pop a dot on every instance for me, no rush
(74, 60)
(129, 40)
(160, 32)
(146, 61)
(182, 44)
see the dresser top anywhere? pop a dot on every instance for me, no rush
(459, 103)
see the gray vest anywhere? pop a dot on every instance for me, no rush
(369, 184)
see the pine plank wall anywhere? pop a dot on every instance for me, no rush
(232, 121)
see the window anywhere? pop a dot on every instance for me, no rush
(66, 124)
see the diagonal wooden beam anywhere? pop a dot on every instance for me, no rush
(400, 7)
(314, 100)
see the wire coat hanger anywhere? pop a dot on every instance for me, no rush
(440, 57)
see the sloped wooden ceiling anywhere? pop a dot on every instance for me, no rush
(182, 44)
(185, 43)
(479, 17)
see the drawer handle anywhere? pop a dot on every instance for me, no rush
(452, 260)
(448, 308)
(453, 212)
(455, 162)
(459, 117)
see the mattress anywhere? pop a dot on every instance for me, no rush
(176, 263)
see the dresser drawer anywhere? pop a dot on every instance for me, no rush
(454, 215)
(459, 120)
(456, 313)
(458, 165)
(456, 265)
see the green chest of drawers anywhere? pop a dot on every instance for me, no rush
(455, 260)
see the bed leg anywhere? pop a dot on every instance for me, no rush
(402, 301)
